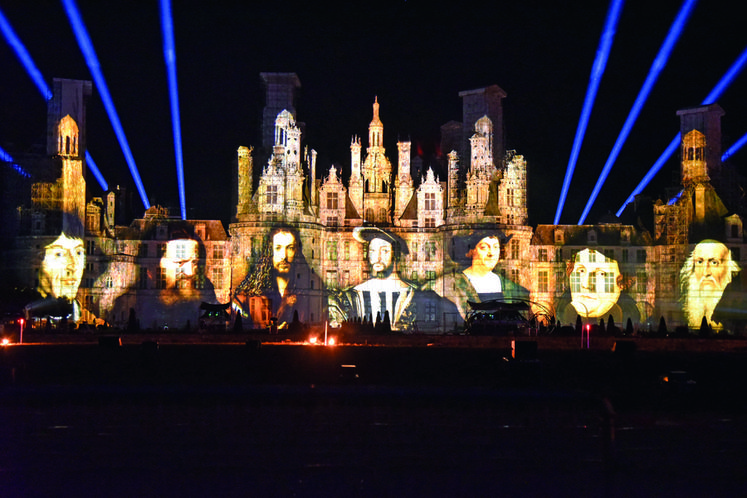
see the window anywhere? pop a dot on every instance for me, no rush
(624, 255)
(346, 250)
(160, 278)
(542, 254)
(142, 282)
(218, 251)
(332, 221)
(559, 281)
(161, 250)
(272, 194)
(331, 278)
(430, 251)
(142, 250)
(640, 282)
(640, 256)
(558, 254)
(542, 281)
(609, 254)
(217, 277)
(332, 200)
(430, 222)
(609, 282)
(514, 249)
(430, 311)
(199, 279)
(510, 197)
(332, 250)
(515, 275)
(430, 201)
(430, 275)
(90, 247)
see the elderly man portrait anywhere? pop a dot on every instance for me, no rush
(703, 279)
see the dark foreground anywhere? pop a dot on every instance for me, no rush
(243, 420)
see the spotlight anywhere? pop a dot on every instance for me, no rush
(84, 42)
(169, 53)
(653, 74)
(597, 70)
(737, 145)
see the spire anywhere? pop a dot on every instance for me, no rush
(376, 120)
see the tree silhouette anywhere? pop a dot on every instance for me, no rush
(629, 327)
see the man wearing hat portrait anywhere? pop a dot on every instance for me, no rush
(385, 292)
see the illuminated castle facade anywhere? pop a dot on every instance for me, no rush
(159, 268)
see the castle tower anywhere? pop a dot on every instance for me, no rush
(280, 94)
(69, 98)
(377, 174)
(476, 104)
(72, 182)
(707, 121)
(481, 168)
(453, 185)
(245, 174)
(512, 190)
(403, 183)
(356, 179)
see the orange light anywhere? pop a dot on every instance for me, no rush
(312, 340)
(6, 341)
(331, 341)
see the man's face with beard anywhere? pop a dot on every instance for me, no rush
(709, 267)
(283, 252)
(380, 256)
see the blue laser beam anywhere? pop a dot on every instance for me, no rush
(41, 84)
(720, 87)
(84, 42)
(96, 173)
(597, 70)
(658, 65)
(24, 57)
(5, 157)
(169, 54)
(735, 147)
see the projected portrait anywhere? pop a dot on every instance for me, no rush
(479, 282)
(270, 290)
(384, 294)
(596, 289)
(62, 267)
(60, 271)
(703, 279)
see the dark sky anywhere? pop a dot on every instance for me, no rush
(415, 56)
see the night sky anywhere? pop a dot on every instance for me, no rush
(415, 56)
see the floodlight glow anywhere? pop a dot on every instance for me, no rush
(659, 63)
(169, 54)
(597, 70)
(4, 156)
(735, 147)
(720, 87)
(24, 57)
(84, 42)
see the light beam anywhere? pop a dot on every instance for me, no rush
(659, 63)
(735, 147)
(169, 54)
(41, 84)
(720, 87)
(4, 156)
(597, 70)
(24, 57)
(84, 42)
